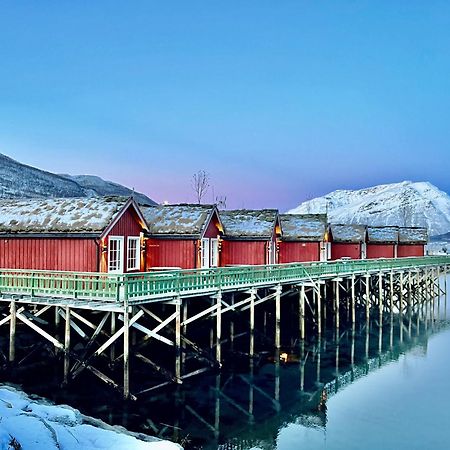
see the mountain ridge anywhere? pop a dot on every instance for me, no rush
(18, 180)
(405, 203)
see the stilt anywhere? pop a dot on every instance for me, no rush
(126, 353)
(178, 339)
(302, 313)
(219, 328)
(353, 302)
(12, 332)
(252, 324)
(112, 351)
(367, 299)
(380, 297)
(319, 312)
(278, 318)
(337, 304)
(67, 346)
(232, 325)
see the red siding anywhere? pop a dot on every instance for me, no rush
(298, 252)
(380, 251)
(49, 254)
(345, 250)
(410, 250)
(172, 253)
(127, 225)
(243, 252)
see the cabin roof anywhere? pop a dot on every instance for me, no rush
(60, 215)
(348, 233)
(187, 220)
(249, 223)
(303, 227)
(413, 235)
(382, 235)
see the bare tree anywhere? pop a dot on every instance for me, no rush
(200, 184)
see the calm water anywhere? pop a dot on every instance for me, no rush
(377, 387)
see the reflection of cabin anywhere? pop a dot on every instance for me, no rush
(250, 236)
(304, 238)
(412, 241)
(348, 241)
(184, 236)
(382, 242)
(76, 234)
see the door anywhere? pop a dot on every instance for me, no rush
(363, 250)
(115, 254)
(214, 252)
(205, 253)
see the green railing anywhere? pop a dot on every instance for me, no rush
(172, 283)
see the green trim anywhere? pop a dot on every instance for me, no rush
(147, 286)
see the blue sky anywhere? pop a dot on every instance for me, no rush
(278, 101)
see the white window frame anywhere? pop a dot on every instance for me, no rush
(137, 261)
(120, 241)
(214, 252)
(204, 262)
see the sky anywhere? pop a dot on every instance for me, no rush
(278, 101)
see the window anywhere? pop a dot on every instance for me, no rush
(133, 254)
(115, 254)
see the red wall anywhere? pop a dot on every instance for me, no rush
(380, 251)
(340, 250)
(172, 253)
(243, 252)
(298, 252)
(49, 254)
(410, 250)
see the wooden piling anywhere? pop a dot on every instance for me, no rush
(277, 318)
(178, 339)
(67, 345)
(126, 353)
(219, 328)
(252, 323)
(12, 332)
(302, 312)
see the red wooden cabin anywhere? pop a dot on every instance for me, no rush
(97, 234)
(304, 238)
(348, 241)
(250, 237)
(382, 242)
(182, 236)
(412, 241)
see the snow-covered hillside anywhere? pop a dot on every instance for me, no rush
(404, 204)
(21, 181)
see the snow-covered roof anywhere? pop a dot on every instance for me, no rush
(349, 233)
(249, 223)
(382, 235)
(303, 227)
(413, 235)
(178, 220)
(59, 215)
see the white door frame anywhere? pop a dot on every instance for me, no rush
(120, 240)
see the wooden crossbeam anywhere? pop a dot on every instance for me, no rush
(39, 330)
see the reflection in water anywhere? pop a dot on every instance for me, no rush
(306, 396)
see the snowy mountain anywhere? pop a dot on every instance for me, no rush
(404, 204)
(19, 180)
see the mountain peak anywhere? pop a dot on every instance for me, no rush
(405, 203)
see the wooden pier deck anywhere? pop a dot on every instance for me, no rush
(96, 309)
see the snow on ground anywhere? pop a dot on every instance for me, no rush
(27, 423)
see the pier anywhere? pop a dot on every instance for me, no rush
(176, 324)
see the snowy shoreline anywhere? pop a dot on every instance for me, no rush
(34, 423)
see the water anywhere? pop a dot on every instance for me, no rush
(377, 387)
